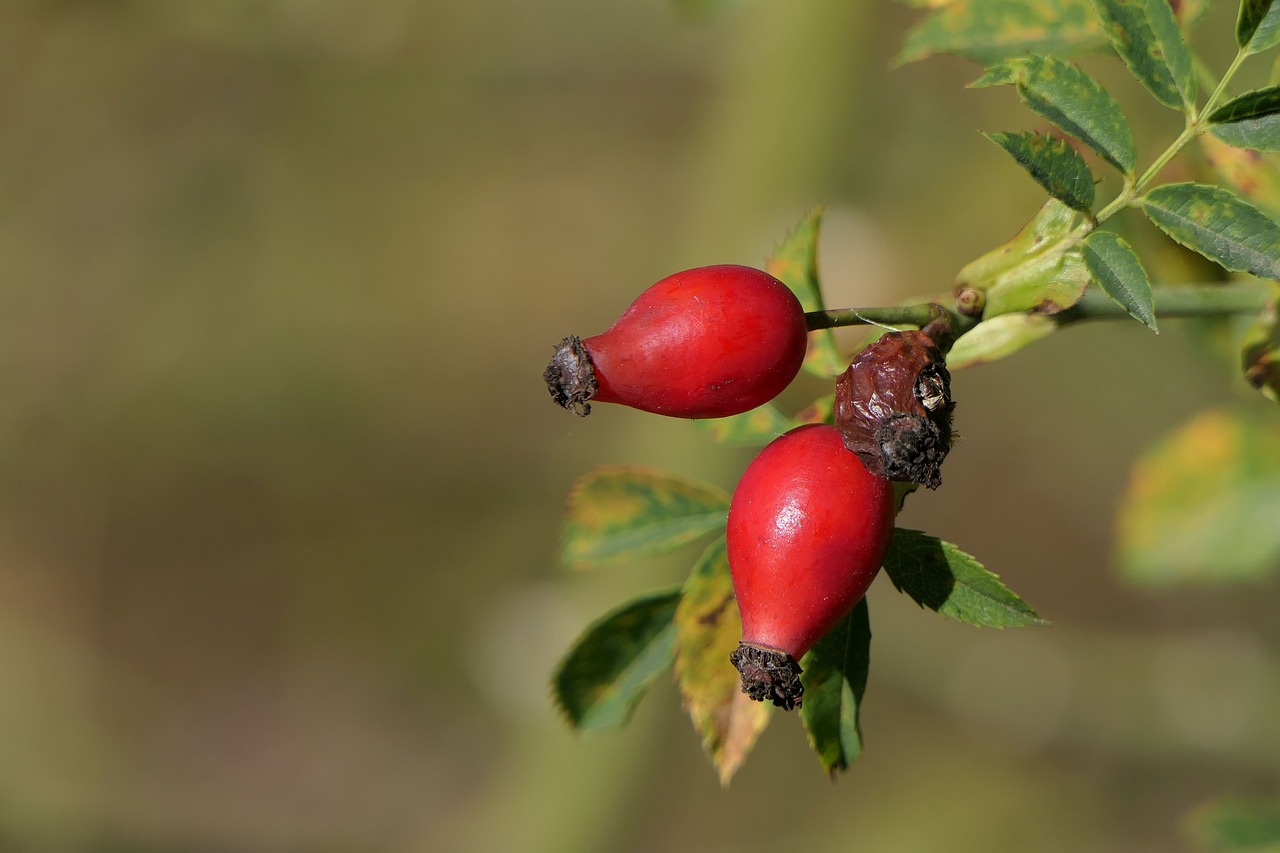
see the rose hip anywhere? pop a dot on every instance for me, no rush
(808, 529)
(704, 343)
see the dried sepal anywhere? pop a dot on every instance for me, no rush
(571, 377)
(769, 674)
(893, 408)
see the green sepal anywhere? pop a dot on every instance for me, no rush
(997, 338)
(1039, 269)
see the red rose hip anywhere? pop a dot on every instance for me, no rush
(704, 343)
(808, 529)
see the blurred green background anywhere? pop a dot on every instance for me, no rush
(280, 484)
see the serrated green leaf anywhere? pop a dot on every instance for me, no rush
(708, 629)
(987, 31)
(1039, 269)
(795, 262)
(1073, 102)
(1117, 270)
(755, 428)
(997, 338)
(1053, 163)
(1260, 349)
(1254, 175)
(1250, 121)
(1202, 504)
(1258, 25)
(1237, 823)
(941, 577)
(620, 512)
(1146, 35)
(611, 666)
(1218, 224)
(835, 679)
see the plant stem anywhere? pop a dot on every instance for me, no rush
(1196, 125)
(1172, 301)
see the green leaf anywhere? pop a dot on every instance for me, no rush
(834, 679)
(987, 31)
(757, 427)
(997, 338)
(1146, 35)
(1039, 269)
(1073, 102)
(795, 262)
(938, 575)
(820, 411)
(611, 666)
(1202, 504)
(1250, 121)
(1218, 224)
(1260, 350)
(1053, 163)
(620, 512)
(1237, 823)
(1258, 25)
(708, 629)
(1254, 175)
(1117, 270)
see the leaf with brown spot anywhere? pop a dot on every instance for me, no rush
(708, 629)
(1260, 352)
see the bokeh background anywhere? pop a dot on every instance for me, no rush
(280, 485)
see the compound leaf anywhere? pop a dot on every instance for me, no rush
(1258, 25)
(938, 575)
(835, 678)
(1053, 163)
(1250, 121)
(795, 263)
(708, 629)
(987, 31)
(1146, 35)
(620, 512)
(610, 667)
(1117, 270)
(1202, 504)
(1218, 224)
(1073, 102)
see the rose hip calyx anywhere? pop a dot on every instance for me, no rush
(769, 674)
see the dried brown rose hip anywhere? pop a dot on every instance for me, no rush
(704, 343)
(893, 407)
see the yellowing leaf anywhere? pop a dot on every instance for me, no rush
(708, 629)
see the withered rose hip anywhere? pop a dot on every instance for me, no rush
(893, 407)
(808, 529)
(704, 343)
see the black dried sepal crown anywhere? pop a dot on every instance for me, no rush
(769, 674)
(571, 377)
(894, 408)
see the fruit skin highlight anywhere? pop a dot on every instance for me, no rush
(704, 343)
(808, 530)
